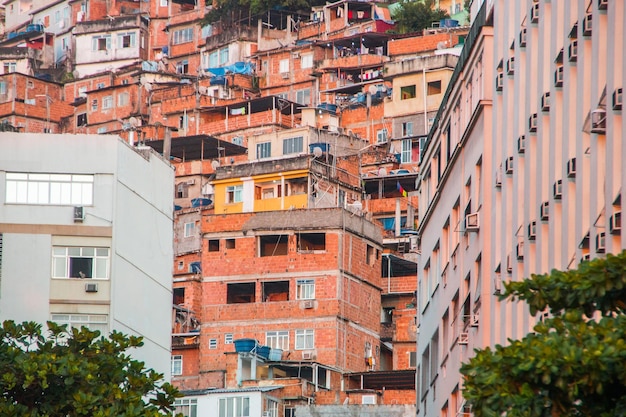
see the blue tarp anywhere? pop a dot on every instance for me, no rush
(236, 68)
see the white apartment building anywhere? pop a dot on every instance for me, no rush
(86, 237)
(522, 173)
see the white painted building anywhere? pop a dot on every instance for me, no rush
(86, 237)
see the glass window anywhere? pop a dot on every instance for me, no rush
(381, 136)
(305, 289)
(406, 151)
(234, 194)
(407, 129)
(434, 87)
(228, 339)
(122, 99)
(190, 229)
(177, 364)
(94, 104)
(126, 40)
(91, 321)
(107, 102)
(213, 59)
(80, 262)
(3, 87)
(407, 92)
(182, 36)
(304, 339)
(284, 66)
(277, 340)
(234, 407)
(303, 97)
(224, 56)
(306, 61)
(263, 150)
(62, 189)
(212, 343)
(101, 43)
(186, 406)
(293, 145)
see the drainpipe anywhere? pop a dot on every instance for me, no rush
(167, 143)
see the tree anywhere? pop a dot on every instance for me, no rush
(574, 362)
(76, 373)
(413, 16)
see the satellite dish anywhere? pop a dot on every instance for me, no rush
(317, 151)
(215, 164)
(382, 172)
(372, 89)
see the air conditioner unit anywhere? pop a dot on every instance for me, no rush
(91, 287)
(571, 168)
(521, 144)
(615, 223)
(499, 177)
(598, 121)
(617, 99)
(191, 181)
(474, 320)
(522, 37)
(545, 101)
(307, 356)
(573, 50)
(508, 165)
(545, 210)
(532, 230)
(497, 285)
(534, 13)
(285, 75)
(368, 399)
(308, 304)
(79, 214)
(532, 122)
(558, 76)
(509, 264)
(557, 190)
(603, 4)
(510, 66)
(587, 26)
(295, 55)
(472, 222)
(463, 338)
(499, 81)
(600, 242)
(585, 258)
(520, 251)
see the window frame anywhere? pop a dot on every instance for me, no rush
(239, 406)
(277, 339)
(305, 289)
(234, 194)
(189, 229)
(283, 66)
(188, 407)
(107, 102)
(49, 189)
(263, 150)
(101, 43)
(67, 260)
(306, 63)
(294, 145)
(182, 36)
(408, 92)
(132, 40)
(305, 339)
(98, 322)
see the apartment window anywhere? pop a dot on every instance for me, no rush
(234, 407)
(234, 194)
(126, 40)
(101, 130)
(182, 36)
(228, 339)
(434, 87)
(224, 53)
(76, 321)
(407, 149)
(3, 87)
(303, 97)
(407, 92)
(183, 122)
(58, 189)
(185, 406)
(305, 289)
(81, 119)
(80, 262)
(284, 66)
(94, 105)
(214, 245)
(212, 343)
(122, 99)
(99, 86)
(190, 229)
(407, 129)
(277, 340)
(284, 96)
(412, 359)
(263, 150)
(306, 61)
(182, 67)
(271, 408)
(10, 67)
(177, 364)
(107, 102)
(381, 136)
(182, 190)
(273, 245)
(293, 145)
(213, 59)
(101, 43)
(305, 339)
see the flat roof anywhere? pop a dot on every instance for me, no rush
(198, 147)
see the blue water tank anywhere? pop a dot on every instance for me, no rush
(324, 147)
(34, 28)
(448, 23)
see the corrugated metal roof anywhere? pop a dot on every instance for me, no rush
(230, 390)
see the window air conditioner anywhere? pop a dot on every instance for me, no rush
(497, 285)
(520, 251)
(532, 122)
(510, 66)
(308, 304)
(463, 338)
(532, 230)
(521, 144)
(545, 101)
(508, 165)
(615, 223)
(558, 76)
(509, 264)
(545, 210)
(368, 399)
(573, 50)
(585, 258)
(474, 320)
(91, 287)
(587, 26)
(499, 81)
(472, 222)
(617, 99)
(534, 13)
(603, 4)
(79, 214)
(557, 190)
(571, 168)
(307, 356)
(522, 37)
(600, 242)
(598, 121)
(499, 177)
(285, 75)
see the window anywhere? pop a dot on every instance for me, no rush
(107, 102)
(434, 87)
(228, 339)
(182, 36)
(412, 359)
(212, 343)
(177, 364)
(407, 92)
(182, 190)
(80, 262)
(263, 150)
(213, 59)
(163, 3)
(292, 145)
(190, 229)
(271, 408)
(284, 66)
(407, 147)
(3, 87)
(277, 340)
(407, 129)
(240, 293)
(94, 104)
(224, 56)
(305, 289)
(273, 245)
(237, 140)
(101, 43)
(101, 130)
(234, 407)
(310, 242)
(214, 245)
(234, 194)
(59, 189)
(304, 339)
(81, 119)
(10, 67)
(126, 40)
(306, 61)
(91, 321)
(303, 97)
(187, 407)
(182, 67)
(122, 99)
(381, 136)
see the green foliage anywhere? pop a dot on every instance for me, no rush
(413, 16)
(76, 373)
(574, 362)
(230, 11)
